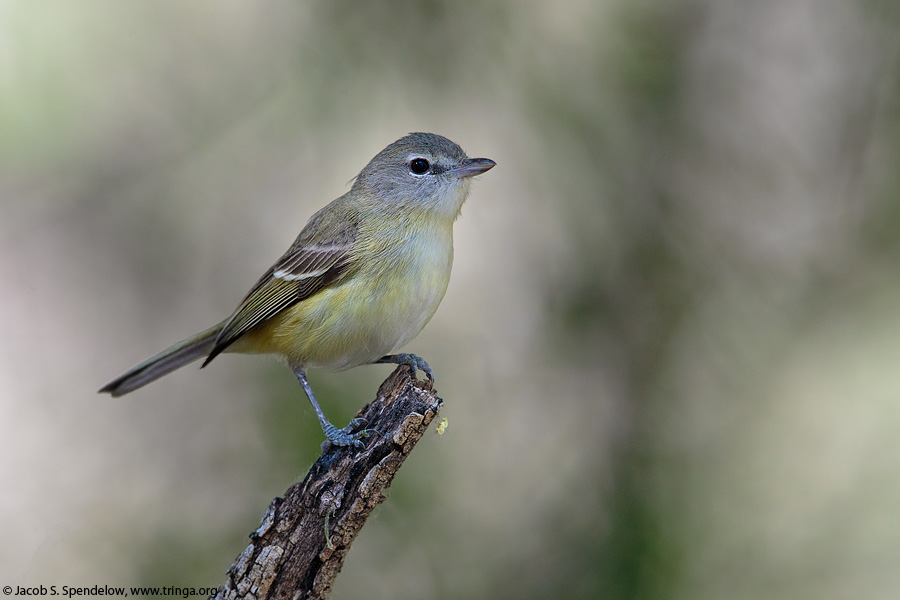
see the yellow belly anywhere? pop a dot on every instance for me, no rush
(384, 305)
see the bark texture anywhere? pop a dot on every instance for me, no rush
(299, 547)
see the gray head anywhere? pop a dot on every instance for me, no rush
(421, 171)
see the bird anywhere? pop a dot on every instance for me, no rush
(361, 280)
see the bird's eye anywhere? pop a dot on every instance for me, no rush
(419, 166)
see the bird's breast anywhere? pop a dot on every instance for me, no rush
(385, 303)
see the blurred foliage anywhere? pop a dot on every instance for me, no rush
(668, 348)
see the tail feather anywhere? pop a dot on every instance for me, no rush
(182, 353)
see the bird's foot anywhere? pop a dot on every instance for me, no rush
(416, 362)
(347, 436)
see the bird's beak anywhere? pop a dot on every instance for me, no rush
(472, 166)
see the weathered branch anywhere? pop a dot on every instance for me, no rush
(300, 546)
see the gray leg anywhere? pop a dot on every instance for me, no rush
(412, 360)
(340, 437)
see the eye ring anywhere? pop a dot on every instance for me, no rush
(419, 166)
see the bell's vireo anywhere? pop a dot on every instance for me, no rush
(361, 280)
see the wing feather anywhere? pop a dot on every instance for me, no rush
(305, 269)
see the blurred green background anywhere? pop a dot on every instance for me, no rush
(670, 350)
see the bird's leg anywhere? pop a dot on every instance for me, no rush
(339, 437)
(416, 362)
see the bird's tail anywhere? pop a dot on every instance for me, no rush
(182, 353)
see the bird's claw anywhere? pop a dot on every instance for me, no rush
(417, 363)
(346, 436)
